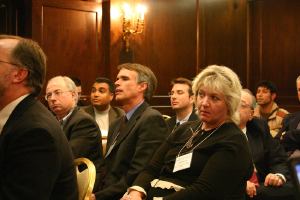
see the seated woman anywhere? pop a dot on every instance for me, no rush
(208, 159)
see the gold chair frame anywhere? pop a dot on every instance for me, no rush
(85, 178)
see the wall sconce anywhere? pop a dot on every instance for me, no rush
(133, 22)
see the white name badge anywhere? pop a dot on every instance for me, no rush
(183, 162)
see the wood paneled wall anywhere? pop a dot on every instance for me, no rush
(275, 47)
(258, 39)
(70, 33)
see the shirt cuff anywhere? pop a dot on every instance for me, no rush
(137, 188)
(281, 176)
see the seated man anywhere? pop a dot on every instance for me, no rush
(267, 109)
(80, 128)
(271, 177)
(102, 94)
(182, 102)
(133, 138)
(35, 160)
(290, 131)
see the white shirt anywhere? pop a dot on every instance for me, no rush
(8, 109)
(183, 120)
(102, 119)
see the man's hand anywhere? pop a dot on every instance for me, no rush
(251, 189)
(133, 195)
(273, 180)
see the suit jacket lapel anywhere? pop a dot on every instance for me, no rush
(128, 127)
(67, 122)
(111, 115)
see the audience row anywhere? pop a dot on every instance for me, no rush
(222, 143)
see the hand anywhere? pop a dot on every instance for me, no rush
(273, 180)
(92, 197)
(251, 189)
(132, 195)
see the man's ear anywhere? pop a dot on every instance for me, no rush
(143, 86)
(251, 114)
(192, 99)
(111, 96)
(19, 74)
(273, 96)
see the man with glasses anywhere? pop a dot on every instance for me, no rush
(271, 180)
(182, 102)
(35, 159)
(80, 128)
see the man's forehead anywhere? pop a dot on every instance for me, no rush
(180, 86)
(263, 88)
(8, 43)
(56, 84)
(127, 72)
(100, 85)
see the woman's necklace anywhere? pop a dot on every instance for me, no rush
(189, 143)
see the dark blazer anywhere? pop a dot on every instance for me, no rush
(113, 113)
(142, 134)
(84, 136)
(35, 159)
(267, 153)
(291, 137)
(171, 122)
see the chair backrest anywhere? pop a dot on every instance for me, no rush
(86, 175)
(166, 117)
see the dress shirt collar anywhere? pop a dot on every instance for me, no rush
(183, 120)
(130, 113)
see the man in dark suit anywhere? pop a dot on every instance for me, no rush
(182, 102)
(135, 137)
(271, 180)
(102, 94)
(80, 128)
(290, 131)
(35, 159)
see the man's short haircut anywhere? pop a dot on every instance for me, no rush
(145, 74)
(298, 78)
(29, 55)
(267, 84)
(185, 81)
(110, 83)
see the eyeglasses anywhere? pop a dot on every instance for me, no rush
(56, 93)
(2, 61)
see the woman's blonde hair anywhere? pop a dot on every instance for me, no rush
(221, 79)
